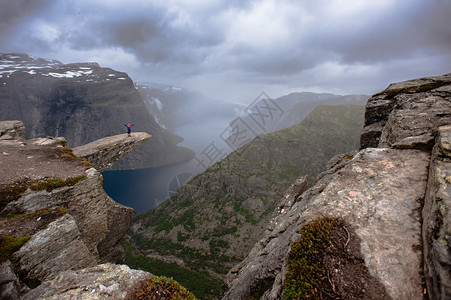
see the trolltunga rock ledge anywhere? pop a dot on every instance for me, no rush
(104, 152)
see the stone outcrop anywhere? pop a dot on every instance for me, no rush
(106, 281)
(393, 195)
(12, 130)
(104, 152)
(437, 218)
(407, 114)
(57, 248)
(40, 174)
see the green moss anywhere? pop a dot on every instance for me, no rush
(68, 153)
(305, 266)
(54, 183)
(9, 245)
(13, 192)
(160, 287)
(57, 211)
(62, 143)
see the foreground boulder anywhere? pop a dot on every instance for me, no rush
(106, 281)
(57, 248)
(398, 213)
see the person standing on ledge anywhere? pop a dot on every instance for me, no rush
(129, 128)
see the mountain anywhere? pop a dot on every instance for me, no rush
(298, 105)
(212, 221)
(266, 115)
(82, 102)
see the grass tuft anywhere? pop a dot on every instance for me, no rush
(58, 211)
(305, 268)
(160, 287)
(68, 153)
(9, 245)
(54, 183)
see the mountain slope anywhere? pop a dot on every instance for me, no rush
(82, 102)
(212, 221)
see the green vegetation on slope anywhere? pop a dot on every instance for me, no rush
(200, 283)
(212, 221)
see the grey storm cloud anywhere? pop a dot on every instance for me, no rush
(317, 43)
(13, 12)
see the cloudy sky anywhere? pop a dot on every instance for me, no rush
(234, 50)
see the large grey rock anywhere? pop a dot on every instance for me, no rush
(104, 152)
(55, 249)
(12, 130)
(106, 281)
(379, 193)
(414, 121)
(119, 220)
(101, 220)
(437, 219)
(407, 114)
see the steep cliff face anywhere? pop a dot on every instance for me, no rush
(82, 102)
(53, 203)
(393, 197)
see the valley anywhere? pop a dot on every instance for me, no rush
(212, 221)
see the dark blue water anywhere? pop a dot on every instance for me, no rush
(144, 189)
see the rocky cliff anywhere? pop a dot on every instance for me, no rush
(393, 198)
(82, 102)
(55, 216)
